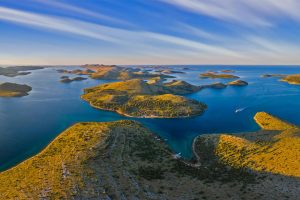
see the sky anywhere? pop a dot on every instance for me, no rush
(69, 32)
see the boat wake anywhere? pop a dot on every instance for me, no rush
(240, 110)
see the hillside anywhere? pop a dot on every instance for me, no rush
(274, 149)
(137, 98)
(14, 90)
(124, 160)
(162, 106)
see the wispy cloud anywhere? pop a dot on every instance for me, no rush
(55, 23)
(78, 10)
(254, 12)
(114, 35)
(183, 43)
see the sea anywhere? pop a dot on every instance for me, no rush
(30, 123)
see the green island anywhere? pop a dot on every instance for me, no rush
(17, 70)
(214, 75)
(123, 159)
(14, 90)
(137, 98)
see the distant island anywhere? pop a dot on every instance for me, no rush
(123, 159)
(14, 90)
(137, 98)
(114, 72)
(238, 83)
(167, 71)
(66, 79)
(214, 75)
(293, 79)
(17, 70)
(227, 71)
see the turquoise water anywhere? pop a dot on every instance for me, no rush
(29, 123)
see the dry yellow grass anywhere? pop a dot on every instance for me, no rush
(279, 154)
(60, 164)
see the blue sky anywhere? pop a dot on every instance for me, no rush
(149, 32)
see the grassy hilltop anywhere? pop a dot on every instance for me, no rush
(274, 149)
(137, 98)
(115, 160)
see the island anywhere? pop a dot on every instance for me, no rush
(273, 75)
(238, 83)
(17, 70)
(214, 75)
(76, 71)
(227, 71)
(66, 79)
(137, 98)
(113, 72)
(14, 90)
(293, 79)
(124, 160)
(217, 85)
(167, 71)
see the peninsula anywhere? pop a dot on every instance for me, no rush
(14, 90)
(274, 149)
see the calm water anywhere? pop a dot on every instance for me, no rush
(29, 123)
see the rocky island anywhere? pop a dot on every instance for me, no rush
(123, 159)
(17, 70)
(214, 75)
(292, 79)
(238, 83)
(14, 90)
(137, 98)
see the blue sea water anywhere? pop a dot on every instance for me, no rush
(29, 123)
